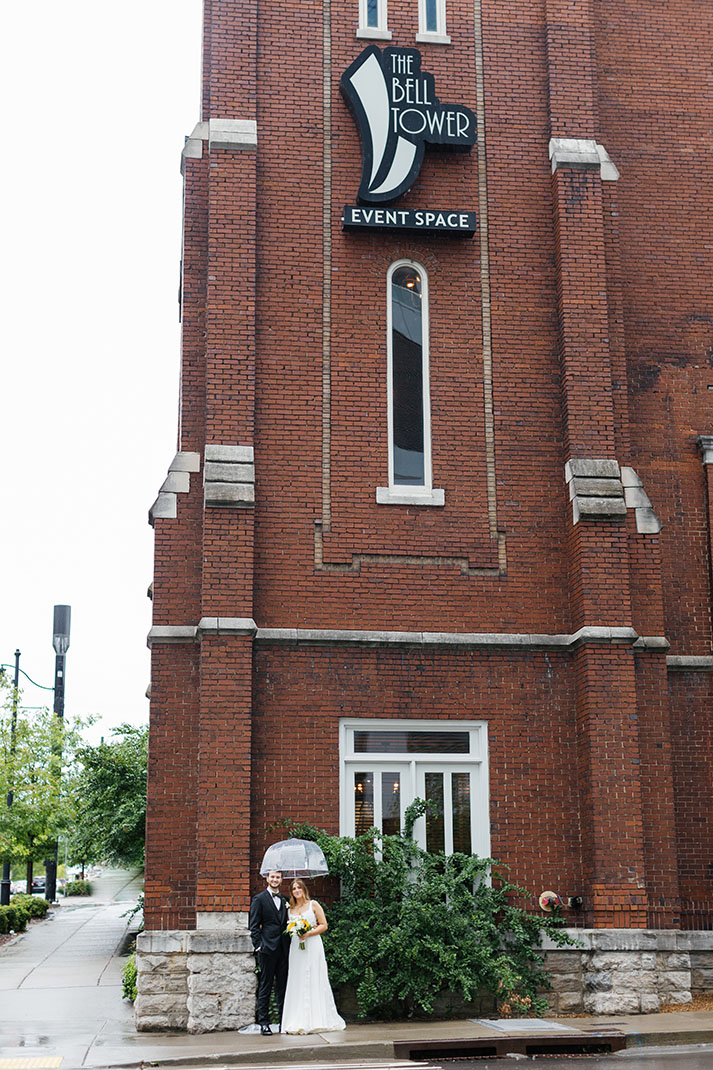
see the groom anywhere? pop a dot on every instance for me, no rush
(268, 918)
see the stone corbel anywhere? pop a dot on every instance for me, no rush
(581, 154)
(229, 476)
(595, 489)
(178, 481)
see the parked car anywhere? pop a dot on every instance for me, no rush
(18, 887)
(39, 884)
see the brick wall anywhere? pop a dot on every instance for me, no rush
(575, 324)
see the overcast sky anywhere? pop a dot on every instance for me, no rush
(97, 99)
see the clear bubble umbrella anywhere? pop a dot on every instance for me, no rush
(294, 858)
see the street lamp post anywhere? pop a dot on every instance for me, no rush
(60, 642)
(5, 883)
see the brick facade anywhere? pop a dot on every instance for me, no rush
(571, 388)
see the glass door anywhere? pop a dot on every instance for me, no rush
(452, 793)
(376, 794)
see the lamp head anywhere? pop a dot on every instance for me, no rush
(60, 630)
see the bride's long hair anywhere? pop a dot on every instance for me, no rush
(304, 888)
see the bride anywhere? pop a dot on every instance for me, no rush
(309, 1003)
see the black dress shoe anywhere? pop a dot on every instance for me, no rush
(265, 1030)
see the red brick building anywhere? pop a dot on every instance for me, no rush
(440, 519)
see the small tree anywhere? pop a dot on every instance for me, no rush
(410, 924)
(110, 799)
(31, 775)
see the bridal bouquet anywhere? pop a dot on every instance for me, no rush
(298, 927)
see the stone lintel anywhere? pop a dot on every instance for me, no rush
(227, 472)
(164, 508)
(689, 663)
(629, 477)
(185, 462)
(596, 488)
(652, 642)
(171, 633)
(574, 152)
(586, 508)
(235, 495)
(592, 468)
(176, 483)
(226, 626)
(232, 134)
(215, 451)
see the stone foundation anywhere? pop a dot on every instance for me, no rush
(628, 971)
(197, 982)
(204, 980)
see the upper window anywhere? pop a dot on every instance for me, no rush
(373, 20)
(432, 22)
(387, 764)
(408, 401)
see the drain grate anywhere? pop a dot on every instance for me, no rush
(498, 1047)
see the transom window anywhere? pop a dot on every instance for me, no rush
(386, 764)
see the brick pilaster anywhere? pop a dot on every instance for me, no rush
(607, 728)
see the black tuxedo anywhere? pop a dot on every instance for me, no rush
(267, 929)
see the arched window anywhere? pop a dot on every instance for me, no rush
(432, 22)
(409, 410)
(373, 20)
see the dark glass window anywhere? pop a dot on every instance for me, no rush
(391, 803)
(363, 802)
(372, 13)
(407, 377)
(435, 824)
(431, 16)
(460, 789)
(380, 741)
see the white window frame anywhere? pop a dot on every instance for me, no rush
(397, 493)
(437, 36)
(412, 768)
(380, 32)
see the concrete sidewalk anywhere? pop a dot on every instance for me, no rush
(61, 1004)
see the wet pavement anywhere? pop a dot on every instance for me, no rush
(61, 1006)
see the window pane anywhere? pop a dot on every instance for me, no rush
(434, 742)
(407, 377)
(372, 13)
(431, 16)
(435, 825)
(363, 802)
(460, 785)
(391, 803)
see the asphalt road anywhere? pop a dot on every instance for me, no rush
(692, 1057)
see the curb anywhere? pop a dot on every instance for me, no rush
(370, 1049)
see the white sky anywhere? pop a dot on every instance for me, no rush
(96, 101)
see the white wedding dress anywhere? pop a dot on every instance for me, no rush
(309, 1003)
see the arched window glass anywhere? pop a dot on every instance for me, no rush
(373, 20)
(432, 22)
(407, 385)
(408, 392)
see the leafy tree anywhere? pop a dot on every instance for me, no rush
(110, 799)
(36, 755)
(411, 924)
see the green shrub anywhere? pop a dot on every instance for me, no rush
(13, 919)
(35, 907)
(78, 887)
(410, 925)
(128, 978)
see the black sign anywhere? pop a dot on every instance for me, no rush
(397, 111)
(357, 217)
